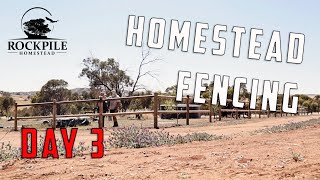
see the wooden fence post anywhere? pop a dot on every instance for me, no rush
(220, 113)
(237, 114)
(210, 112)
(100, 112)
(268, 113)
(54, 113)
(249, 112)
(16, 117)
(155, 110)
(188, 110)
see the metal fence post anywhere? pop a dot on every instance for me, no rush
(155, 110)
(54, 113)
(16, 117)
(188, 110)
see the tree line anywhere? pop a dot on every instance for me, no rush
(106, 75)
(103, 76)
(6, 103)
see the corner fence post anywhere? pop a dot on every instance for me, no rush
(210, 111)
(16, 117)
(54, 112)
(155, 110)
(188, 110)
(100, 112)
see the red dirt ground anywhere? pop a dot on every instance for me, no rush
(245, 156)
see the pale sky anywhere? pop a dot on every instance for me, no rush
(99, 28)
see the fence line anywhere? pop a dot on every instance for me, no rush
(156, 97)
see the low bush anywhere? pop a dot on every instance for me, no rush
(7, 152)
(134, 137)
(290, 126)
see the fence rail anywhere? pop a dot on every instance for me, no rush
(155, 111)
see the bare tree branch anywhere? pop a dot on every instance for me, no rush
(145, 55)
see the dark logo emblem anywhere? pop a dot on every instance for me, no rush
(38, 24)
(39, 27)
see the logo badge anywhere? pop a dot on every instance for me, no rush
(37, 24)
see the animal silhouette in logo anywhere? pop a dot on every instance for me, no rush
(37, 28)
